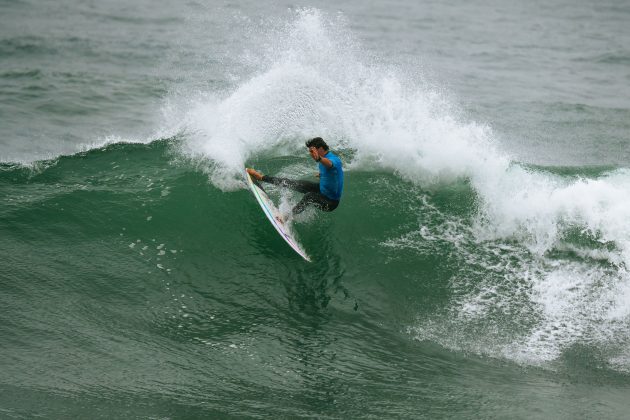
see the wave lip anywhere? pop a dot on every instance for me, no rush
(314, 79)
(537, 239)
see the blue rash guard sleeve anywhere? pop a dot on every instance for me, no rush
(331, 179)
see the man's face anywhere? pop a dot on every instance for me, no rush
(319, 150)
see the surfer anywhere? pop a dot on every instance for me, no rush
(324, 195)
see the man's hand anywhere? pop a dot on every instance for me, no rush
(318, 158)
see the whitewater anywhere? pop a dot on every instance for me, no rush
(313, 79)
(478, 233)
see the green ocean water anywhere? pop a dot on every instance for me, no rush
(475, 268)
(147, 292)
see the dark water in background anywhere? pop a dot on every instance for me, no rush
(476, 268)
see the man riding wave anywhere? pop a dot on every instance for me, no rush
(324, 195)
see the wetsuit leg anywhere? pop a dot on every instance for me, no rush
(299, 186)
(315, 199)
(312, 196)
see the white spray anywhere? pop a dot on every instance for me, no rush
(314, 79)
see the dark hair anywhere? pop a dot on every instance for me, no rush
(317, 142)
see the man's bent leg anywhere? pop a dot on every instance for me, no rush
(316, 199)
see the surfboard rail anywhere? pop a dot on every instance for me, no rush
(273, 215)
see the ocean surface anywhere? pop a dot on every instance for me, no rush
(477, 266)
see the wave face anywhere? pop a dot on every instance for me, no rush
(135, 268)
(551, 249)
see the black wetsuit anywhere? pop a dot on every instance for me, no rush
(312, 194)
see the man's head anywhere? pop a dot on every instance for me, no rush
(317, 142)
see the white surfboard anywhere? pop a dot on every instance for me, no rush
(273, 214)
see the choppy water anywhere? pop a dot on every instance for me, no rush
(477, 266)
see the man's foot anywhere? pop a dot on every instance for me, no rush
(253, 173)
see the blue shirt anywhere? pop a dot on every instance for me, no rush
(331, 179)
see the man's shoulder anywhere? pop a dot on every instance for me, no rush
(332, 156)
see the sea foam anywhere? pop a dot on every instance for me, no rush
(312, 77)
